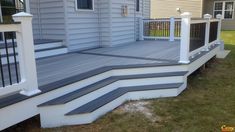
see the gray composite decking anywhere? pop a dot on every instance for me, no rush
(58, 71)
(143, 52)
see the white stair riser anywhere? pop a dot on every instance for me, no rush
(47, 115)
(48, 119)
(47, 45)
(37, 47)
(98, 93)
(33, 102)
(53, 52)
(40, 54)
(89, 118)
(151, 81)
(149, 70)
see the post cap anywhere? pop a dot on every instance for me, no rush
(22, 14)
(207, 16)
(186, 14)
(219, 16)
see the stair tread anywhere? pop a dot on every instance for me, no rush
(107, 98)
(79, 93)
(90, 88)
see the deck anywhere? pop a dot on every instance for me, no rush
(138, 68)
(143, 52)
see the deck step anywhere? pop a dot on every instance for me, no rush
(100, 84)
(107, 98)
(41, 53)
(43, 48)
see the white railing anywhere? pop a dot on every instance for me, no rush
(198, 35)
(165, 28)
(27, 84)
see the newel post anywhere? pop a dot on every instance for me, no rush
(207, 34)
(172, 29)
(26, 53)
(185, 37)
(141, 28)
(219, 17)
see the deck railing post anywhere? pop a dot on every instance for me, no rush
(207, 32)
(185, 37)
(26, 55)
(172, 29)
(219, 16)
(141, 28)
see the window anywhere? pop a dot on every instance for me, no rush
(225, 8)
(138, 5)
(85, 4)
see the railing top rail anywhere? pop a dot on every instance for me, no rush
(4, 23)
(160, 20)
(9, 27)
(214, 20)
(198, 21)
(195, 21)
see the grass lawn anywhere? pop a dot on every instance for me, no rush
(206, 105)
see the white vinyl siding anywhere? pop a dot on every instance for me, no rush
(48, 19)
(34, 9)
(104, 26)
(82, 27)
(123, 27)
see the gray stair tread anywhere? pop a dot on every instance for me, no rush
(109, 97)
(79, 93)
(90, 88)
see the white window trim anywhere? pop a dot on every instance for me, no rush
(89, 10)
(223, 9)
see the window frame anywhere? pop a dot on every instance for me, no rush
(89, 10)
(224, 10)
(137, 2)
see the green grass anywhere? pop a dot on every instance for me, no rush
(206, 105)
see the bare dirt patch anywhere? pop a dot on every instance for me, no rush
(142, 107)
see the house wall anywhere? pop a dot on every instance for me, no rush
(48, 19)
(143, 13)
(105, 22)
(82, 27)
(167, 8)
(123, 27)
(105, 26)
(34, 9)
(226, 24)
